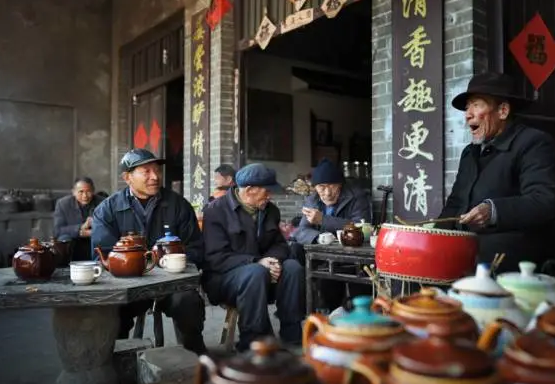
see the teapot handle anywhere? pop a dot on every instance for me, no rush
(490, 334)
(369, 369)
(205, 369)
(153, 261)
(313, 323)
(381, 303)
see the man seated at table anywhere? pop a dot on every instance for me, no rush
(145, 207)
(329, 209)
(246, 260)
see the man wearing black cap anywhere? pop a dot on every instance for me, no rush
(246, 260)
(145, 207)
(328, 210)
(505, 186)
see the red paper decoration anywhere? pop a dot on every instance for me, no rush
(534, 49)
(141, 138)
(216, 13)
(155, 135)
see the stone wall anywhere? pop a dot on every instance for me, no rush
(54, 98)
(465, 41)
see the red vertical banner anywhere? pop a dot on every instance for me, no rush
(200, 110)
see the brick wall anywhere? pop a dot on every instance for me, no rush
(290, 205)
(465, 41)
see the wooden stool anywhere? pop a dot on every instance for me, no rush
(230, 325)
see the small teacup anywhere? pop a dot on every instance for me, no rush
(325, 238)
(174, 262)
(84, 272)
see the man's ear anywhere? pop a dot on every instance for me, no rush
(504, 110)
(125, 176)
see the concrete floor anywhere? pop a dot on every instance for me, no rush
(28, 350)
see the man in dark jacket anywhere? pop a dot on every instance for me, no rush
(246, 261)
(505, 186)
(332, 206)
(145, 207)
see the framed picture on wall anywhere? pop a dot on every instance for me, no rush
(323, 132)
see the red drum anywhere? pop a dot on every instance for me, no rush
(425, 255)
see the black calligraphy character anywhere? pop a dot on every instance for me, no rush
(334, 5)
(535, 49)
(264, 32)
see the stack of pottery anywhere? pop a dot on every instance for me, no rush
(265, 363)
(331, 345)
(486, 301)
(529, 288)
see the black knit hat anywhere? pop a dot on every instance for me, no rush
(326, 172)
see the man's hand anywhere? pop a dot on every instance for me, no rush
(87, 224)
(84, 232)
(272, 264)
(480, 215)
(313, 215)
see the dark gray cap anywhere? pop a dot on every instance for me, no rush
(136, 157)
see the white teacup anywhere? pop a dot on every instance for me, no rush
(338, 235)
(325, 238)
(174, 262)
(84, 272)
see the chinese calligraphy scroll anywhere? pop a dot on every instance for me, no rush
(200, 110)
(417, 108)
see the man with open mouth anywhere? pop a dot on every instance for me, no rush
(505, 186)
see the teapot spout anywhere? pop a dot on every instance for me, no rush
(490, 335)
(103, 259)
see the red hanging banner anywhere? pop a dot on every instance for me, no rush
(216, 13)
(534, 49)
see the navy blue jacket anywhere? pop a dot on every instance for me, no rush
(352, 206)
(233, 239)
(114, 217)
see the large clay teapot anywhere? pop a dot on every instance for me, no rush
(167, 244)
(34, 261)
(431, 361)
(352, 236)
(331, 345)
(128, 259)
(418, 311)
(264, 363)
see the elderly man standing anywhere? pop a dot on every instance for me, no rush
(145, 207)
(332, 206)
(246, 260)
(505, 186)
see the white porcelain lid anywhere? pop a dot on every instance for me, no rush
(526, 277)
(481, 283)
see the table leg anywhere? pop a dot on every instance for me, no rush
(85, 337)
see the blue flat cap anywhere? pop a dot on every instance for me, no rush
(258, 175)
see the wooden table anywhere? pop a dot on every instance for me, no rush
(330, 264)
(86, 318)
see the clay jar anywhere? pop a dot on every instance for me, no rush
(264, 363)
(530, 358)
(432, 361)
(167, 244)
(34, 262)
(425, 312)
(127, 259)
(352, 236)
(330, 346)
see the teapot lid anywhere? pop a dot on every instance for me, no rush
(442, 358)
(526, 279)
(535, 348)
(361, 315)
(265, 362)
(427, 302)
(481, 282)
(168, 237)
(34, 245)
(127, 244)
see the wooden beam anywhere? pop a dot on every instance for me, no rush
(249, 43)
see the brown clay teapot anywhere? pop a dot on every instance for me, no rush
(264, 363)
(167, 245)
(530, 358)
(425, 312)
(128, 259)
(34, 262)
(431, 361)
(61, 249)
(352, 236)
(330, 345)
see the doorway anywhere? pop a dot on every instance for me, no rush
(308, 96)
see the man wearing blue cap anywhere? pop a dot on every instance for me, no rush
(145, 207)
(247, 258)
(328, 210)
